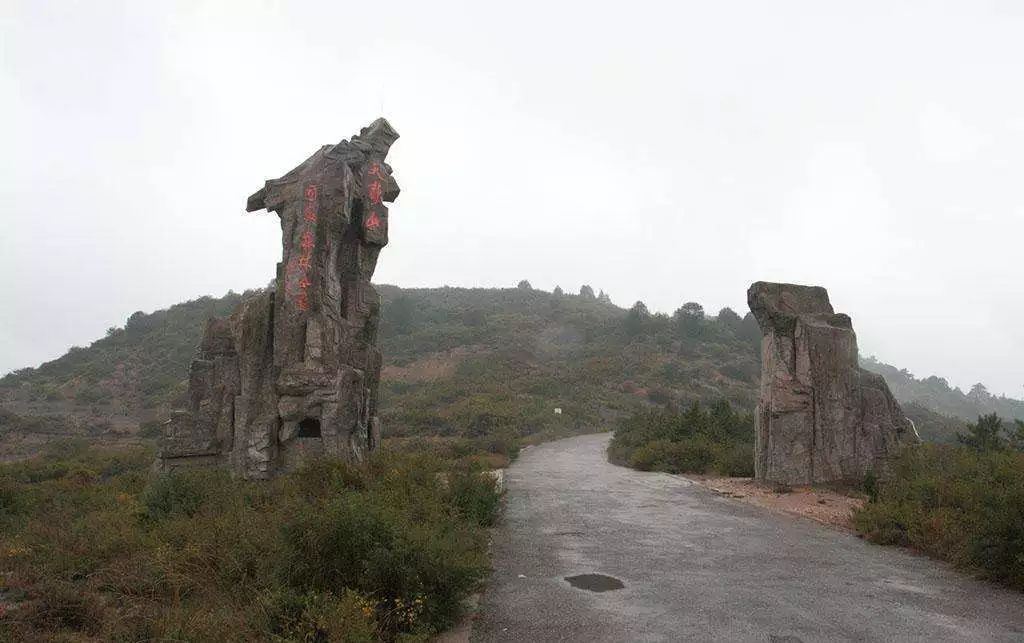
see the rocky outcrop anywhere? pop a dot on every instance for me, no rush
(820, 417)
(295, 372)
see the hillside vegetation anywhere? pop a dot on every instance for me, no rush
(963, 503)
(714, 441)
(478, 362)
(460, 363)
(935, 393)
(95, 548)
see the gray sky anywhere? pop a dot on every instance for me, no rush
(665, 152)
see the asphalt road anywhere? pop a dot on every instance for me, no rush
(695, 566)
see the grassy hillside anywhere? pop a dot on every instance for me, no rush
(476, 362)
(458, 362)
(140, 366)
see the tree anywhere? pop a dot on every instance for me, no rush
(694, 421)
(1016, 436)
(984, 435)
(690, 319)
(558, 291)
(604, 298)
(721, 418)
(637, 318)
(727, 317)
(524, 285)
(586, 292)
(474, 317)
(750, 331)
(137, 322)
(979, 393)
(400, 313)
(937, 384)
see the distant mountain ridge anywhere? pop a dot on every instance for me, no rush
(936, 394)
(467, 361)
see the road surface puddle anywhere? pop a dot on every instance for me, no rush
(595, 582)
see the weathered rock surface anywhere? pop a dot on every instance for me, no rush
(295, 372)
(820, 417)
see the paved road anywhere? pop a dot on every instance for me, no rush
(699, 567)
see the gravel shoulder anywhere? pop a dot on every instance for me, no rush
(823, 506)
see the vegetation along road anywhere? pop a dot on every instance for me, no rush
(653, 557)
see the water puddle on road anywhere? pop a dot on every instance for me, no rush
(595, 582)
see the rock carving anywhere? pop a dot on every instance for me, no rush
(294, 372)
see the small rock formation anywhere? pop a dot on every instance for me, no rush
(295, 371)
(820, 417)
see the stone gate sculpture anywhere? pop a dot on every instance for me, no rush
(820, 417)
(294, 372)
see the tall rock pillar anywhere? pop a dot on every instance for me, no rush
(820, 417)
(295, 372)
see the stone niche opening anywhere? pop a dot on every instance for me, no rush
(309, 428)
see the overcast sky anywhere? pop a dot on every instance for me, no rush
(663, 152)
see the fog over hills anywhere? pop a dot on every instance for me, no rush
(667, 152)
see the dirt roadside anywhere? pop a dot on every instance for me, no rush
(823, 506)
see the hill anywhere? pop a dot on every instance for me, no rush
(513, 362)
(936, 394)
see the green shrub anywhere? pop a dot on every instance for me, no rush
(12, 501)
(326, 618)
(649, 456)
(331, 552)
(326, 476)
(870, 486)
(736, 460)
(717, 440)
(475, 496)
(956, 503)
(355, 542)
(151, 429)
(182, 493)
(58, 605)
(694, 455)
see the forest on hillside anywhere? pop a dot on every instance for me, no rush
(466, 362)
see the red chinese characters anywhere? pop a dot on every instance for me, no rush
(309, 204)
(298, 267)
(375, 178)
(374, 192)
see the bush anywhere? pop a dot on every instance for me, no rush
(955, 503)
(404, 541)
(330, 619)
(151, 429)
(475, 496)
(649, 456)
(97, 548)
(718, 441)
(11, 501)
(871, 486)
(173, 493)
(736, 460)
